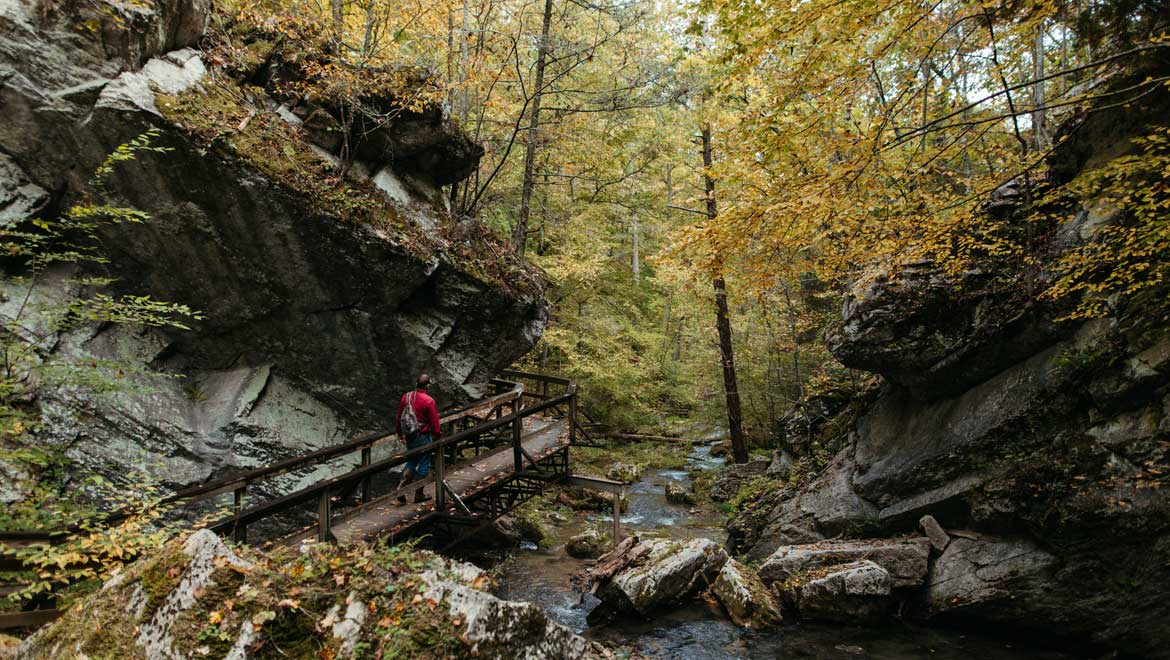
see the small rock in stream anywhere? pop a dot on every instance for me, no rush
(676, 494)
(626, 472)
(589, 544)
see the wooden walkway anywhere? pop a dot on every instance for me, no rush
(542, 438)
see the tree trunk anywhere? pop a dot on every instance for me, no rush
(636, 265)
(520, 234)
(1039, 115)
(723, 323)
(338, 21)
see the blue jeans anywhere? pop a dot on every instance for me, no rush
(422, 464)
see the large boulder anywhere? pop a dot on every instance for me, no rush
(853, 592)
(745, 597)
(202, 599)
(660, 572)
(904, 559)
(986, 576)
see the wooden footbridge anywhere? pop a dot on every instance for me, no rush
(494, 454)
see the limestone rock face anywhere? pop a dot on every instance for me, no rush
(1032, 450)
(747, 600)
(904, 560)
(666, 572)
(856, 591)
(313, 325)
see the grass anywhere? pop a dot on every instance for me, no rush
(646, 455)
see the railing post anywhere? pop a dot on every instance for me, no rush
(617, 515)
(324, 515)
(517, 425)
(440, 493)
(573, 417)
(240, 531)
(367, 455)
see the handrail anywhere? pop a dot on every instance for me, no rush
(321, 455)
(316, 490)
(363, 443)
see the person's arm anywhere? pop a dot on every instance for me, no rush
(398, 417)
(434, 415)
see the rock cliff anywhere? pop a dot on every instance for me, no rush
(324, 288)
(1044, 442)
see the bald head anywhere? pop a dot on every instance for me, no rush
(424, 381)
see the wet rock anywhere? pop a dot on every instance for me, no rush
(939, 539)
(857, 591)
(729, 479)
(749, 603)
(589, 544)
(625, 472)
(904, 560)
(661, 572)
(676, 494)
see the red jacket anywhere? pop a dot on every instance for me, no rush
(424, 409)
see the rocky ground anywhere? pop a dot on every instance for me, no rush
(200, 598)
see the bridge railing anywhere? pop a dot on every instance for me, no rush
(324, 491)
(508, 395)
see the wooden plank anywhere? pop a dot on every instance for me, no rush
(384, 515)
(28, 619)
(593, 483)
(9, 589)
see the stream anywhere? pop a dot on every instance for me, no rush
(699, 631)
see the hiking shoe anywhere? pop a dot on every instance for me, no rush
(402, 499)
(420, 496)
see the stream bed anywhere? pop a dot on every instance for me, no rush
(700, 631)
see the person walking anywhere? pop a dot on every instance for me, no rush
(418, 425)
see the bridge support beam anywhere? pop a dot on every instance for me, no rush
(617, 488)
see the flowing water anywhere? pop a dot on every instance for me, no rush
(700, 631)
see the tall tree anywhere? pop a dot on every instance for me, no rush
(723, 321)
(520, 234)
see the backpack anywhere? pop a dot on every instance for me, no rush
(409, 424)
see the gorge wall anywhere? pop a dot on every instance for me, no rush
(320, 301)
(1043, 445)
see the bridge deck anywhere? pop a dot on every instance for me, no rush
(384, 515)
